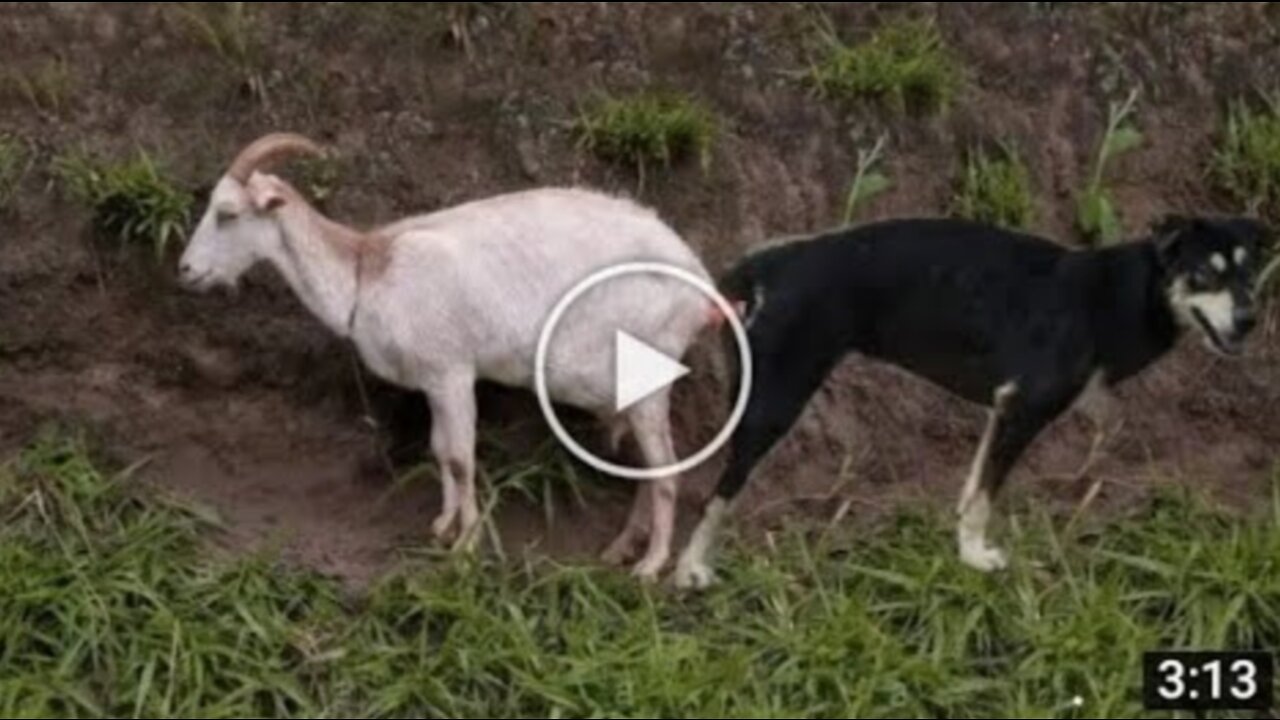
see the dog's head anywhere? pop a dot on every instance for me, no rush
(1211, 267)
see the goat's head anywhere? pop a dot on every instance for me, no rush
(241, 224)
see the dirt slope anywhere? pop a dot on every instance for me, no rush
(248, 405)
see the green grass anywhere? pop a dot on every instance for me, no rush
(132, 201)
(905, 65)
(229, 31)
(110, 607)
(869, 181)
(649, 129)
(1097, 217)
(47, 88)
(320, 177)
(15, 161)
(1247, 161)
(995, 187)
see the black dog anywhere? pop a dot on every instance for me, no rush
(1007, 320)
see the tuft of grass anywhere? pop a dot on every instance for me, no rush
(319, 177)
(995, 187)
(1096, 215)
(230, 32)
(48, 88)
(417, 27)
(1247, 162)
(132, 201)
(869, 181)
(649, 128)
(111, 608)
(15, 161)
(906, 65)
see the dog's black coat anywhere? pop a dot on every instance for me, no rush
(971, 308)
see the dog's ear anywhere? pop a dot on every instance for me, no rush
(1255, 231)
(1168, 233)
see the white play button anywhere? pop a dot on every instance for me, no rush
(640, 371)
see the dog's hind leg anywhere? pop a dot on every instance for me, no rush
(780, 393)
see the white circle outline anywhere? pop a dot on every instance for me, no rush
(744, 357)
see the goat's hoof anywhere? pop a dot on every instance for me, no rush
(693, 576)
(615, 556)
(648, 571)
(443, 529)
(620, 552)
(986, 560)
(468, 537)
(466, 543)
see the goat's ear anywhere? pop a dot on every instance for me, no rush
(265, 194)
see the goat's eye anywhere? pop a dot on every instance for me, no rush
(222, 217)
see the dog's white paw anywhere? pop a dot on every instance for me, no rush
(985, 559)
(694, 576)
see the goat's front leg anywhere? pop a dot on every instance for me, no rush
(453, 439)
(979, 491)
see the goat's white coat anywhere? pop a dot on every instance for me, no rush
(461, 295)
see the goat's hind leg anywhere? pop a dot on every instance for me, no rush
(622, 549)
(652, 428)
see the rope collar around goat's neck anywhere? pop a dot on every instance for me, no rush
(355, 294)
(356, 367)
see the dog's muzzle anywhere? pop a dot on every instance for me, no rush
(1229, 342)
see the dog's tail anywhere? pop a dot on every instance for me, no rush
(742, 286)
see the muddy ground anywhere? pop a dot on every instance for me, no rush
(247, 405)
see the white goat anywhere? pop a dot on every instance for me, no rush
(438, 301)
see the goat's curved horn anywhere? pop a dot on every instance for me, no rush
(268, 149)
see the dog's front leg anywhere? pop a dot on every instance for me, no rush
(975, 502)
(1017, 416)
